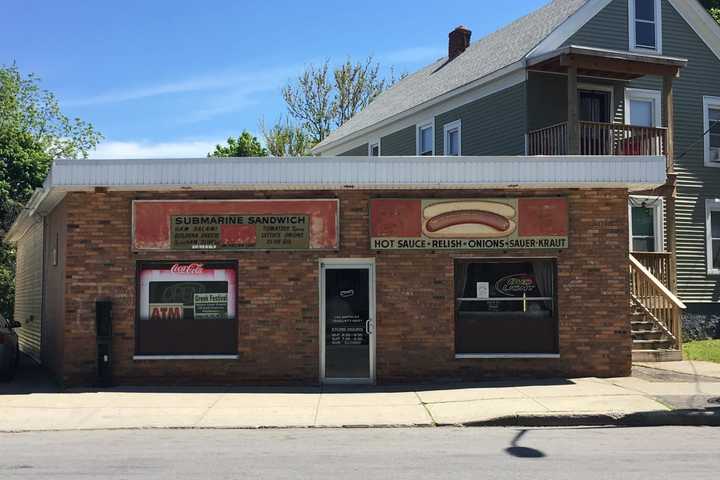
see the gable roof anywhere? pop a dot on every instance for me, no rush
(482, 58)
(494, 56)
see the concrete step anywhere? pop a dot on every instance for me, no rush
(648, 335)
(664, 355)
(664, 344)
(641, 325)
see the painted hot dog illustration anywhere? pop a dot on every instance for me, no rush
(468, 219)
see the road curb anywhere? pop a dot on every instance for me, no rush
(692, 418)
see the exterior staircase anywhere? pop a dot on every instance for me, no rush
(650, 342)
(655, 311)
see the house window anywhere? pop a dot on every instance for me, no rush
(642, 107)
(646, 224)
(711, 117)
(186, 308)
(425, 139)
(452, 138)
(505, 307)
(712, 235)
(374, 148)
(645, 25)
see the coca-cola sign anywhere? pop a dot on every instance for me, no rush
(188, 268)
(516, 285)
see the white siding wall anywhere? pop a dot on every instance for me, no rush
(28, 290)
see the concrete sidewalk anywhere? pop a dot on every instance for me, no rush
(584, 401)
(686, 367)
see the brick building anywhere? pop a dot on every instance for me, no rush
(340, 269)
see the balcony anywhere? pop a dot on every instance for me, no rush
(599, 139)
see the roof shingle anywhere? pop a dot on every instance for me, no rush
(484, 57)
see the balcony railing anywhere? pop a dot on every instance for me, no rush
(657, 263)
(599, 139)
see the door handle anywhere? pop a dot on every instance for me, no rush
(368, 327)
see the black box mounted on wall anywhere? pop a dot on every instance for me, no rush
(103, 319)
(103, 332)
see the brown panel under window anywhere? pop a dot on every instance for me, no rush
(186, 337)
(505, 334)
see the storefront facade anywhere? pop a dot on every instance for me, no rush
(340, 285)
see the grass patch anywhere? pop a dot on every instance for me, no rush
(706, 350)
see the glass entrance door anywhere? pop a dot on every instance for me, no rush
(347, 322)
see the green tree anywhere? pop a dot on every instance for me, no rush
(712, 6)
(321, 100)
(284, 139)
(33, 132)
(246, 145)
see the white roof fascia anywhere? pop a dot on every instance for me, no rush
(633, 173)
(701, 22)
(497, 76)
(691, 11)
(569, 27)
(332, 173)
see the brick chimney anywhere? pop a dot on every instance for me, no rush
(459, 40)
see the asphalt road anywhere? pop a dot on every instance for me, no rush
(472, 453)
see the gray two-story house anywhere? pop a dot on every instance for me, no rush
(582, 77)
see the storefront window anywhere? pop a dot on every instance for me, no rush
(187, 308)
(505, 307)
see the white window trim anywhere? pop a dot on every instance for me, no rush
(708, 103)
(446, 128)
(657, 204)
(374, 141)
(642, 94)
(711, 205)
(460, 356)
(658, 29)
(186, 357)
(418, 139)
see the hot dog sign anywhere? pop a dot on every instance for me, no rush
(468, 224)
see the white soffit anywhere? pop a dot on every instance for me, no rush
(690, 10)
(319, 173)
(634, 173)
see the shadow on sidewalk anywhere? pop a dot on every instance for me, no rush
(30, 378)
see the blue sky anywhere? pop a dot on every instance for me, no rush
(172, 78)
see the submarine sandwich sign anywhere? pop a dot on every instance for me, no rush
(468, 224)
(235, 225)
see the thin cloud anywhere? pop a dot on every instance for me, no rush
(262, 80)
(222, 105)
(412, 55)
(133, 149)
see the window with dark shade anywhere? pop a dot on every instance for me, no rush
(374, 150)
(505, 306)
(644, 24)
(643, 229)
(714, 133)
(715, 238)
(186, 308)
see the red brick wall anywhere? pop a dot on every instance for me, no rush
(278, 297)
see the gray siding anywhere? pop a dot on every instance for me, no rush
(400, 143)
(607, 29)
(29, 291)
(494, 125)
(695, 181)
(547, 99)
(360, 151)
